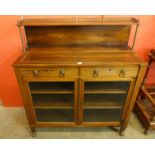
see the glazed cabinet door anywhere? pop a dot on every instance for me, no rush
(52, 102)
(104, 102)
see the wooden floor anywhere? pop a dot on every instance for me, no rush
(13, 124)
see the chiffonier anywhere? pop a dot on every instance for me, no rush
(78, 72)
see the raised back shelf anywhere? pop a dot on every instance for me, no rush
(64, 32)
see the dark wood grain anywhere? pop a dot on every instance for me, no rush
(77, 35)
(79, 51)
(71, 55)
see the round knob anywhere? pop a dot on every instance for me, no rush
(61, 73)
(35, 72)
(95, 73)
(122, 73)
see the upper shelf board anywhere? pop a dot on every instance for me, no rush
(77, 21)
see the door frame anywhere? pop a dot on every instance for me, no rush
(125, 108)
(28, 97)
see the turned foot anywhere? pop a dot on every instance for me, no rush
(33, 132)
(146, 132)
(121, 132)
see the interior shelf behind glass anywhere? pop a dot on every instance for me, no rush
(53, 101)
(104, 101)
(51, 87)
(107, 87)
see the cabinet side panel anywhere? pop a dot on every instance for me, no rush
(135, 93)
(27, 109)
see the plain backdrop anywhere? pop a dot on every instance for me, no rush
(11, 48)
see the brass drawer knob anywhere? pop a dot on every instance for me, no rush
(35, 72)
(95, 73)
(61, 73)
(122, 73)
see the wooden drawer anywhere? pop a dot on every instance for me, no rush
(49, 72)
(116, 72)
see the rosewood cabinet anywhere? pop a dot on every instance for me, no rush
(78, 73)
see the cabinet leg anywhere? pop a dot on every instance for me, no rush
(121, 132)
(146, 132)
(33, 132)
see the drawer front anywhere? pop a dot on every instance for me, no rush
(50, 72)
(113, 72)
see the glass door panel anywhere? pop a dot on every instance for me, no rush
(53, 101)
(104, 101)
(102, 115)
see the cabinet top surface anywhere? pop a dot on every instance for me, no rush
(77, 21)
(77, 42)
(77, 56)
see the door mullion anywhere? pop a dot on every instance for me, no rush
(81, 98)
